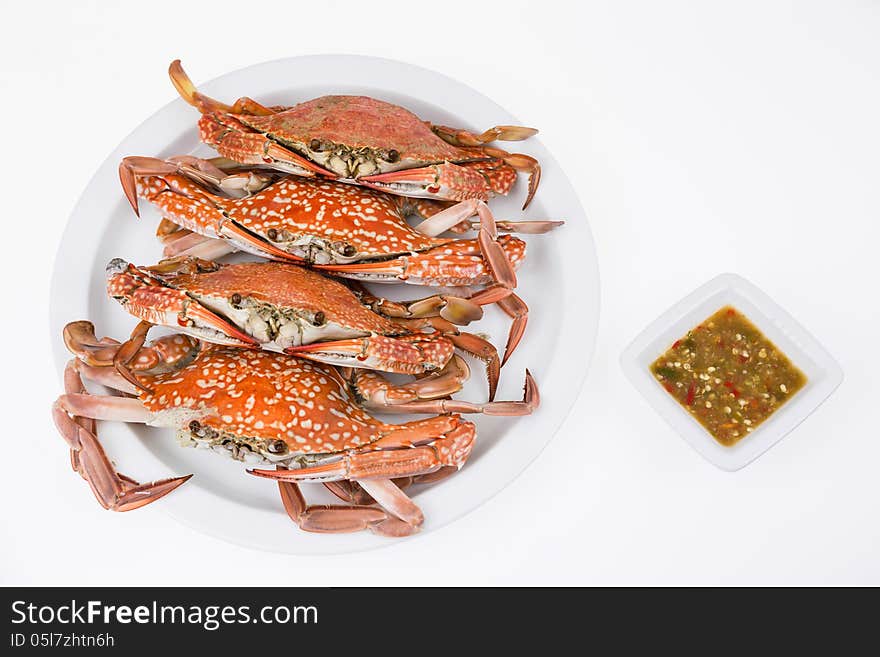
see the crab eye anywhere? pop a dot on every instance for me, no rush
(277, 447)
(235, 299)
(315, 145)
(393, 155)
(272, 234)
(194, 426)
(319, 318)
(349, 250)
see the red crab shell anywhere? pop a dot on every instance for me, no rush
(272, 397)
(360, 122)
(194, 296)
(371, 221)
(363, 140)
(287, 286)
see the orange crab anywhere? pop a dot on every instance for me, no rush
(263, 408)
(365, 141)
(290, 309)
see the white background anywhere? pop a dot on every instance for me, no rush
(701, 137)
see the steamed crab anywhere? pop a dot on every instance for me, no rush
(265, 409)
(290, 309)
(364, 141)
(351, 232)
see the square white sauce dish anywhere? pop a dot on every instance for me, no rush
(727, 426)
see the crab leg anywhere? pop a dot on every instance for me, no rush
(128, 350)
(74, 384)
(102, 407)
(390, 497)
(528, 227)
(168, 232)
(185, 243)
(113, 491)
(207, 248)
(458, 137)
(353, 493)
(521, 163)
(454, 218)
(187, 91)
(106, 376)
(443, 220)
(335, 518)
(483, 350)
(516, 309)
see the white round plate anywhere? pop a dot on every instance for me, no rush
(559, 281)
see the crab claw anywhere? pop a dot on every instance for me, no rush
(442, 181)
(244, 238)
(433, 394)
(147, 296)
(414, 448)
(201, 316)
(493, 252)
(163, 354)
(132, 167)
(80, 340)
(411, 354)
(484, 351)
(453, 309)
